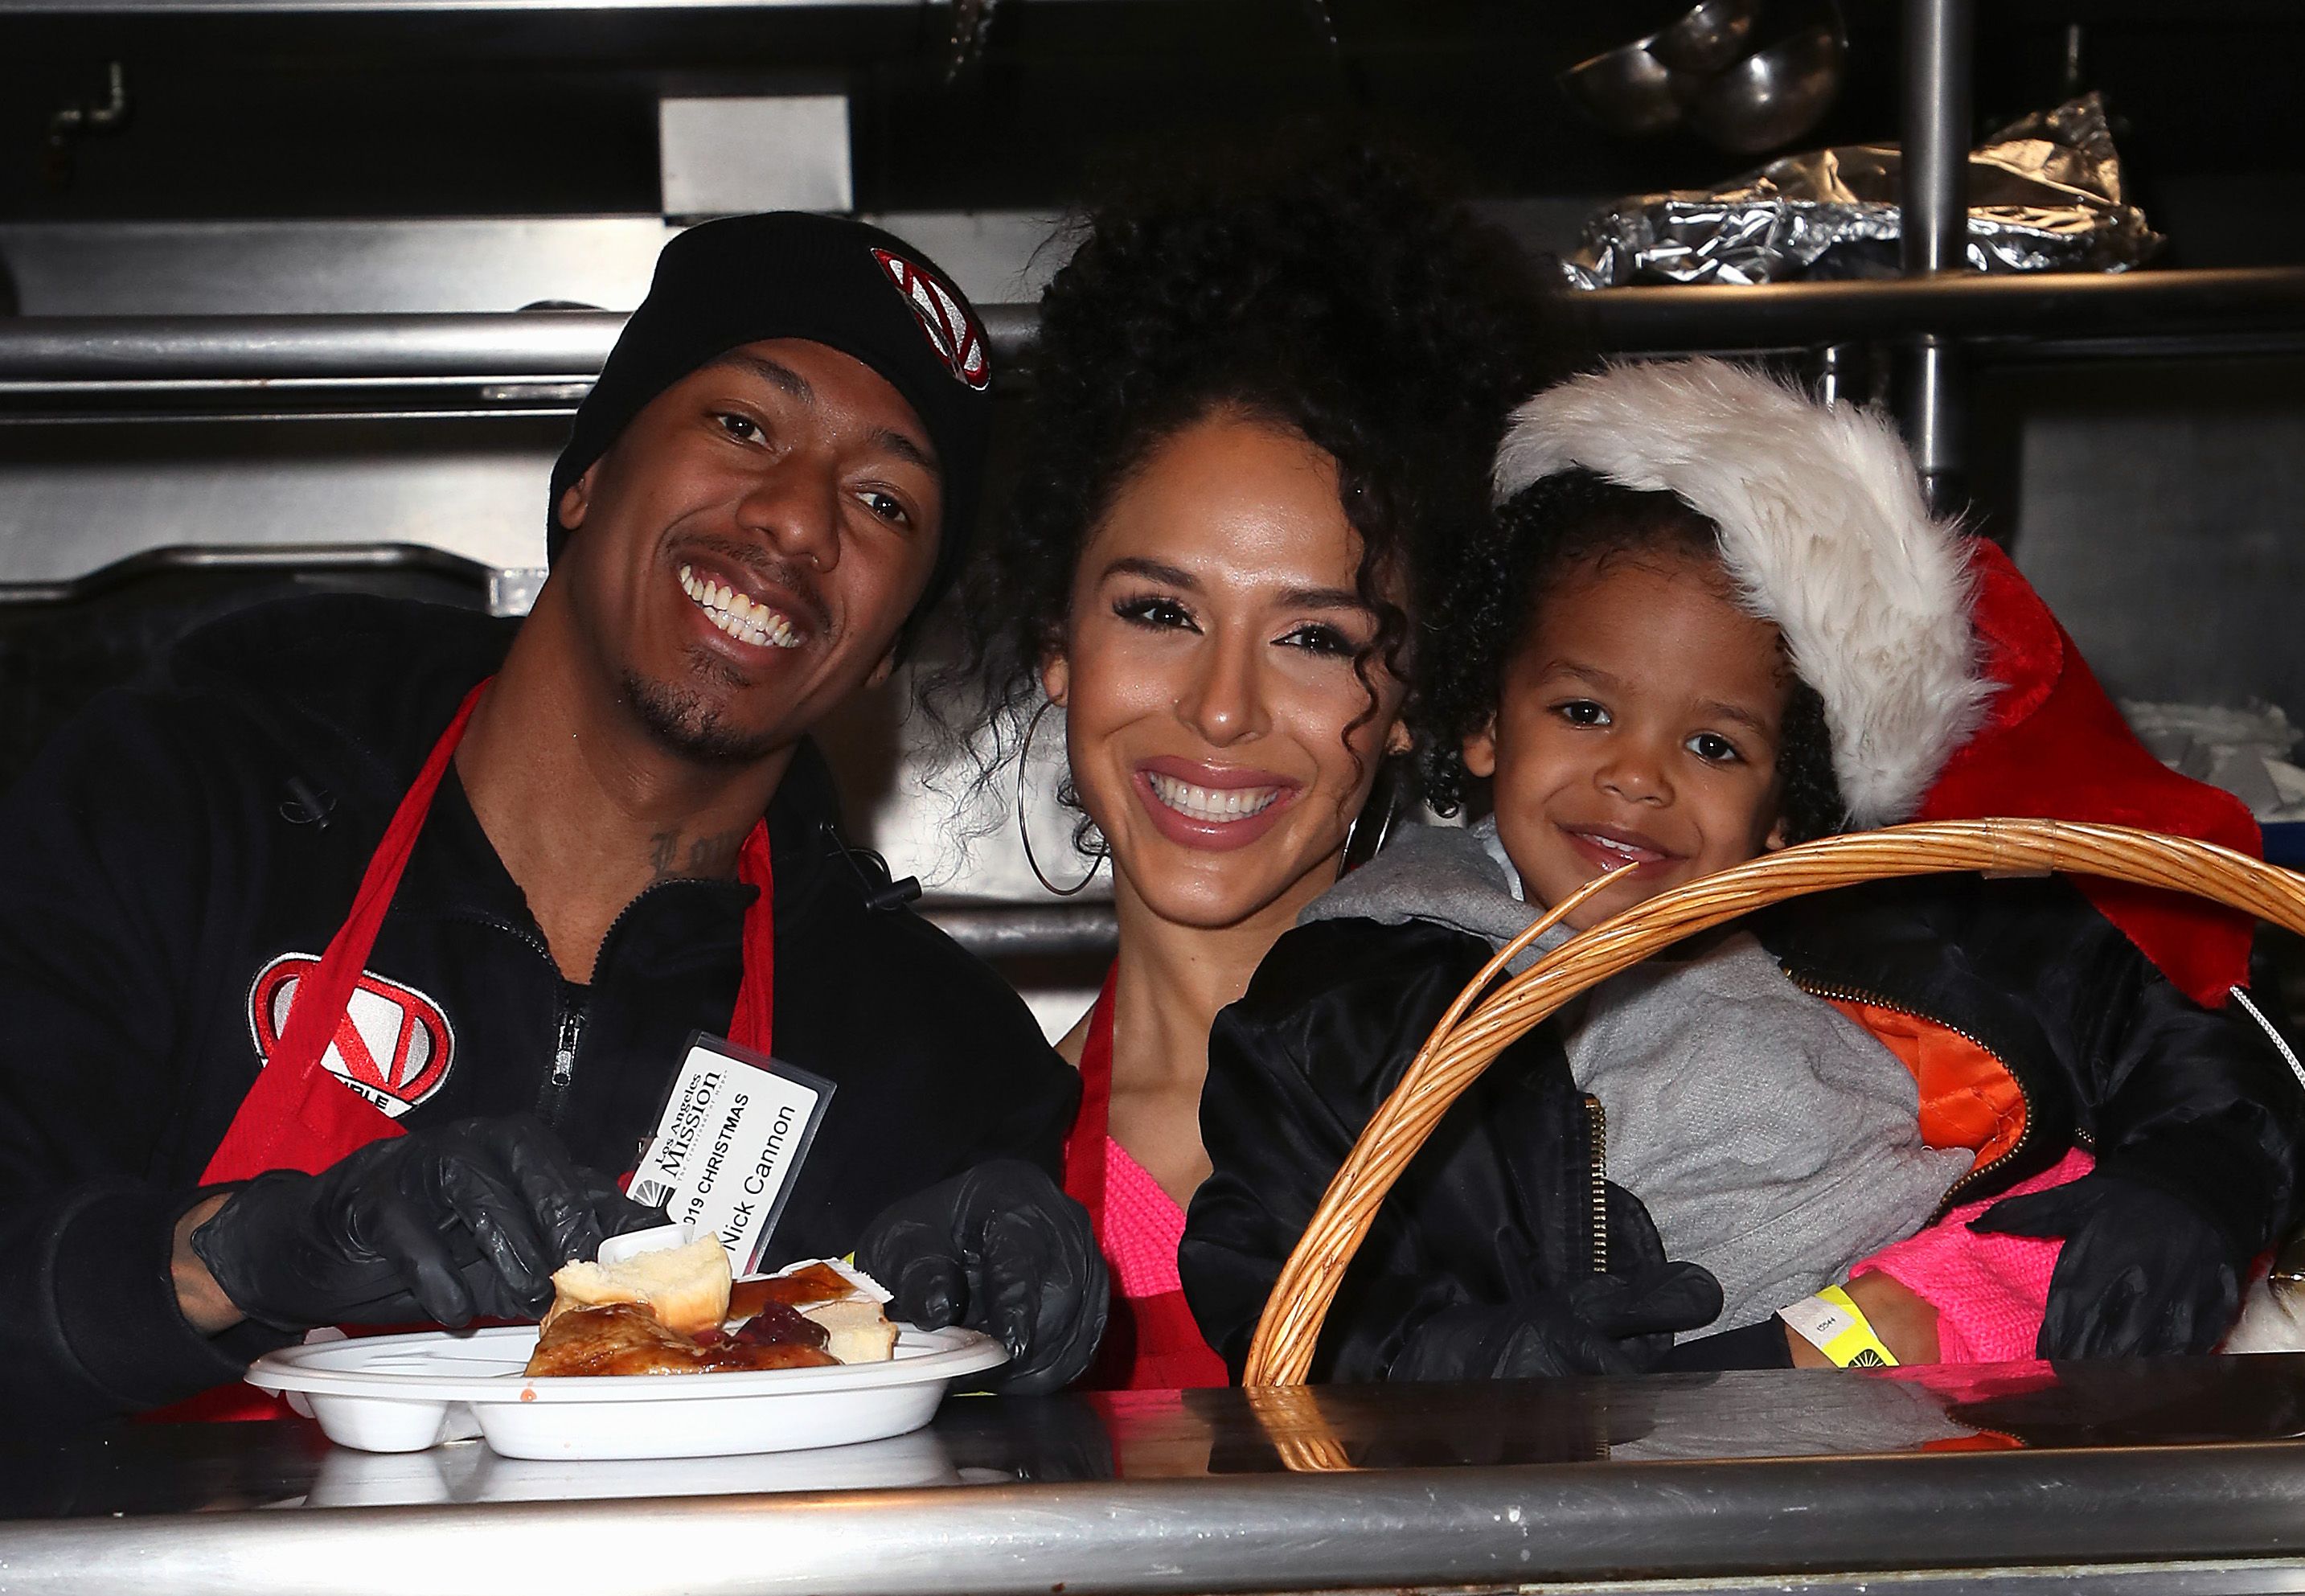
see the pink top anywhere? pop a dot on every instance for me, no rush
(1990, 1291)
(1142, 1226)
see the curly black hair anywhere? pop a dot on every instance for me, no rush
(1553, 526)
(1335, 295)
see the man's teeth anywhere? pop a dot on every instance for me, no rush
(1211, 803)
(736, 614)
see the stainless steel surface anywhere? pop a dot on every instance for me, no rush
(428, 264)
(2269, 1576)
(1011, 931)
(506, 588)
(1939, 42)
(724, 155)
(1932, 408)
(75, 499)
(462, 347)
(1939, 45)
(2032, 314)
(1769, 99)
(2172, 1475)
(149, 8)
(154, 356)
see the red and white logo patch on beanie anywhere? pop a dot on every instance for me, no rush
(952, 333)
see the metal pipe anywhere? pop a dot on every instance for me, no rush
(1038, 930)
(149, 356)
(1934, 228)
(1509, 1526)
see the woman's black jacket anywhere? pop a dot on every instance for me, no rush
(1500, 1204)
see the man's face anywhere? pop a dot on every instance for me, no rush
(743, 556)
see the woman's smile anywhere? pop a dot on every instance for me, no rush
(1216, 807)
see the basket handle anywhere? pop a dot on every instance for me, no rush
(1464, 1045)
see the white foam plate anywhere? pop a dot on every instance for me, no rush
(469, 1472)
(405, 1393)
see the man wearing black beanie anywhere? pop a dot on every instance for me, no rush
(351, 959)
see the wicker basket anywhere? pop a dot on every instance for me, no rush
(1464, 1043)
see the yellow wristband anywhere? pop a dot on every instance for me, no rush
(1833, 1324)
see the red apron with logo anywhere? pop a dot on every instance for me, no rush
(1151, 1343)
(298, 1115)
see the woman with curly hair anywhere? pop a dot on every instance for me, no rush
(1263, 418)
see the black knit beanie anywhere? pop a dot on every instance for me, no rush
(838, 282)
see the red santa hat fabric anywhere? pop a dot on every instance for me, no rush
(2054, 747)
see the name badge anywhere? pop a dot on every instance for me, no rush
(736, 1127)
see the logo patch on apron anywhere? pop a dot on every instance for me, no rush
(393, 1046)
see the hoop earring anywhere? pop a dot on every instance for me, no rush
(1024, 835)
(1374, 826)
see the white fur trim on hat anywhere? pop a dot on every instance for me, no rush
(1822, 526)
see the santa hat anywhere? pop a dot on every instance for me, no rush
(1824, 532)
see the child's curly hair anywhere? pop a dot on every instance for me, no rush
(1553, 526)
(1338, 298)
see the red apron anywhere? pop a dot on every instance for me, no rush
(298, 1116)
(1151, 1343)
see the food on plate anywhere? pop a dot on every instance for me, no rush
(775, 1323)
(629, 1338)
(686, 1286)
(674, 1310)
(858, 1332)
(798, 1287)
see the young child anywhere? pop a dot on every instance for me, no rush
(1716, 620)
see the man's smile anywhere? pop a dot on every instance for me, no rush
(742, 615)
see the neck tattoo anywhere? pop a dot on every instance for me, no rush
(677, 854)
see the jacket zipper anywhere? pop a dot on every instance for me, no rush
(569, 1036)
(1596, 1136)
(1854, 995)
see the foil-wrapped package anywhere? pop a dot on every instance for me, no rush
(2043, 195)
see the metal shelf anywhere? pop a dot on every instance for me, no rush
(478, 364)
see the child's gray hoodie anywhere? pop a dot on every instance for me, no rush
(1771, 1139)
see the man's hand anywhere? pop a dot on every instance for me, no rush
(999, 1249)
(444, 1224)
(2143, 1270)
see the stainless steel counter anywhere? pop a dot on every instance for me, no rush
(2175, 1475)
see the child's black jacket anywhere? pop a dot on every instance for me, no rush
(1500, 1202)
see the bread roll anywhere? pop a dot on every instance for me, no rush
(686, 1286)
(859, 1333)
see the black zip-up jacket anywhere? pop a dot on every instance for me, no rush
(182, 838)
(1500, 1205)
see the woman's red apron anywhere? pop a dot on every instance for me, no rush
(1151, 1343)
(298, 1116)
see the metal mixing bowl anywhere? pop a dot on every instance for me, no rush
(1626, 90)
(1768, 100)
(1709, 37)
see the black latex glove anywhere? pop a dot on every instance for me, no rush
(1602, 1324)
(1002, 1250)
(442, 1225)
(2143, 1270)
(1621, 1322)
